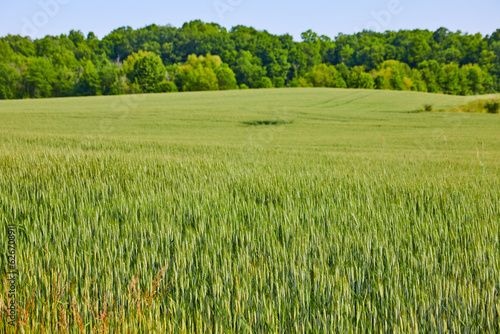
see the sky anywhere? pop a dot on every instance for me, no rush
(37, 18)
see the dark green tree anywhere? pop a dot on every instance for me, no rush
(88, 84)
(39, 77)
(248, 70)
(147, 71)
(10, 82)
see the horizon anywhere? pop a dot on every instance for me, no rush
(38, 18)
(299, 39)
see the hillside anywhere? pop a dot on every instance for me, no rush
(307, 118)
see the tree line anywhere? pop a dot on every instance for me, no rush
(205, 56)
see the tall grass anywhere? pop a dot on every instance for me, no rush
(151, 237)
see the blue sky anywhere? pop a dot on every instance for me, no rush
(38, 18)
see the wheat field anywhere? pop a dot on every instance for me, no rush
(261, 211)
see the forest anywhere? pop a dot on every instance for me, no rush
(203, 56)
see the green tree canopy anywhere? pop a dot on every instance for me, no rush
(201, 73)
(135, 60)
(146, 69)
(324, 75)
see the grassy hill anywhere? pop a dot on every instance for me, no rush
(269, 210)
(336, 119)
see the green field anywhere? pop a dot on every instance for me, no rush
(279, 210)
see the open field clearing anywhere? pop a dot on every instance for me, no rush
(279, 210)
